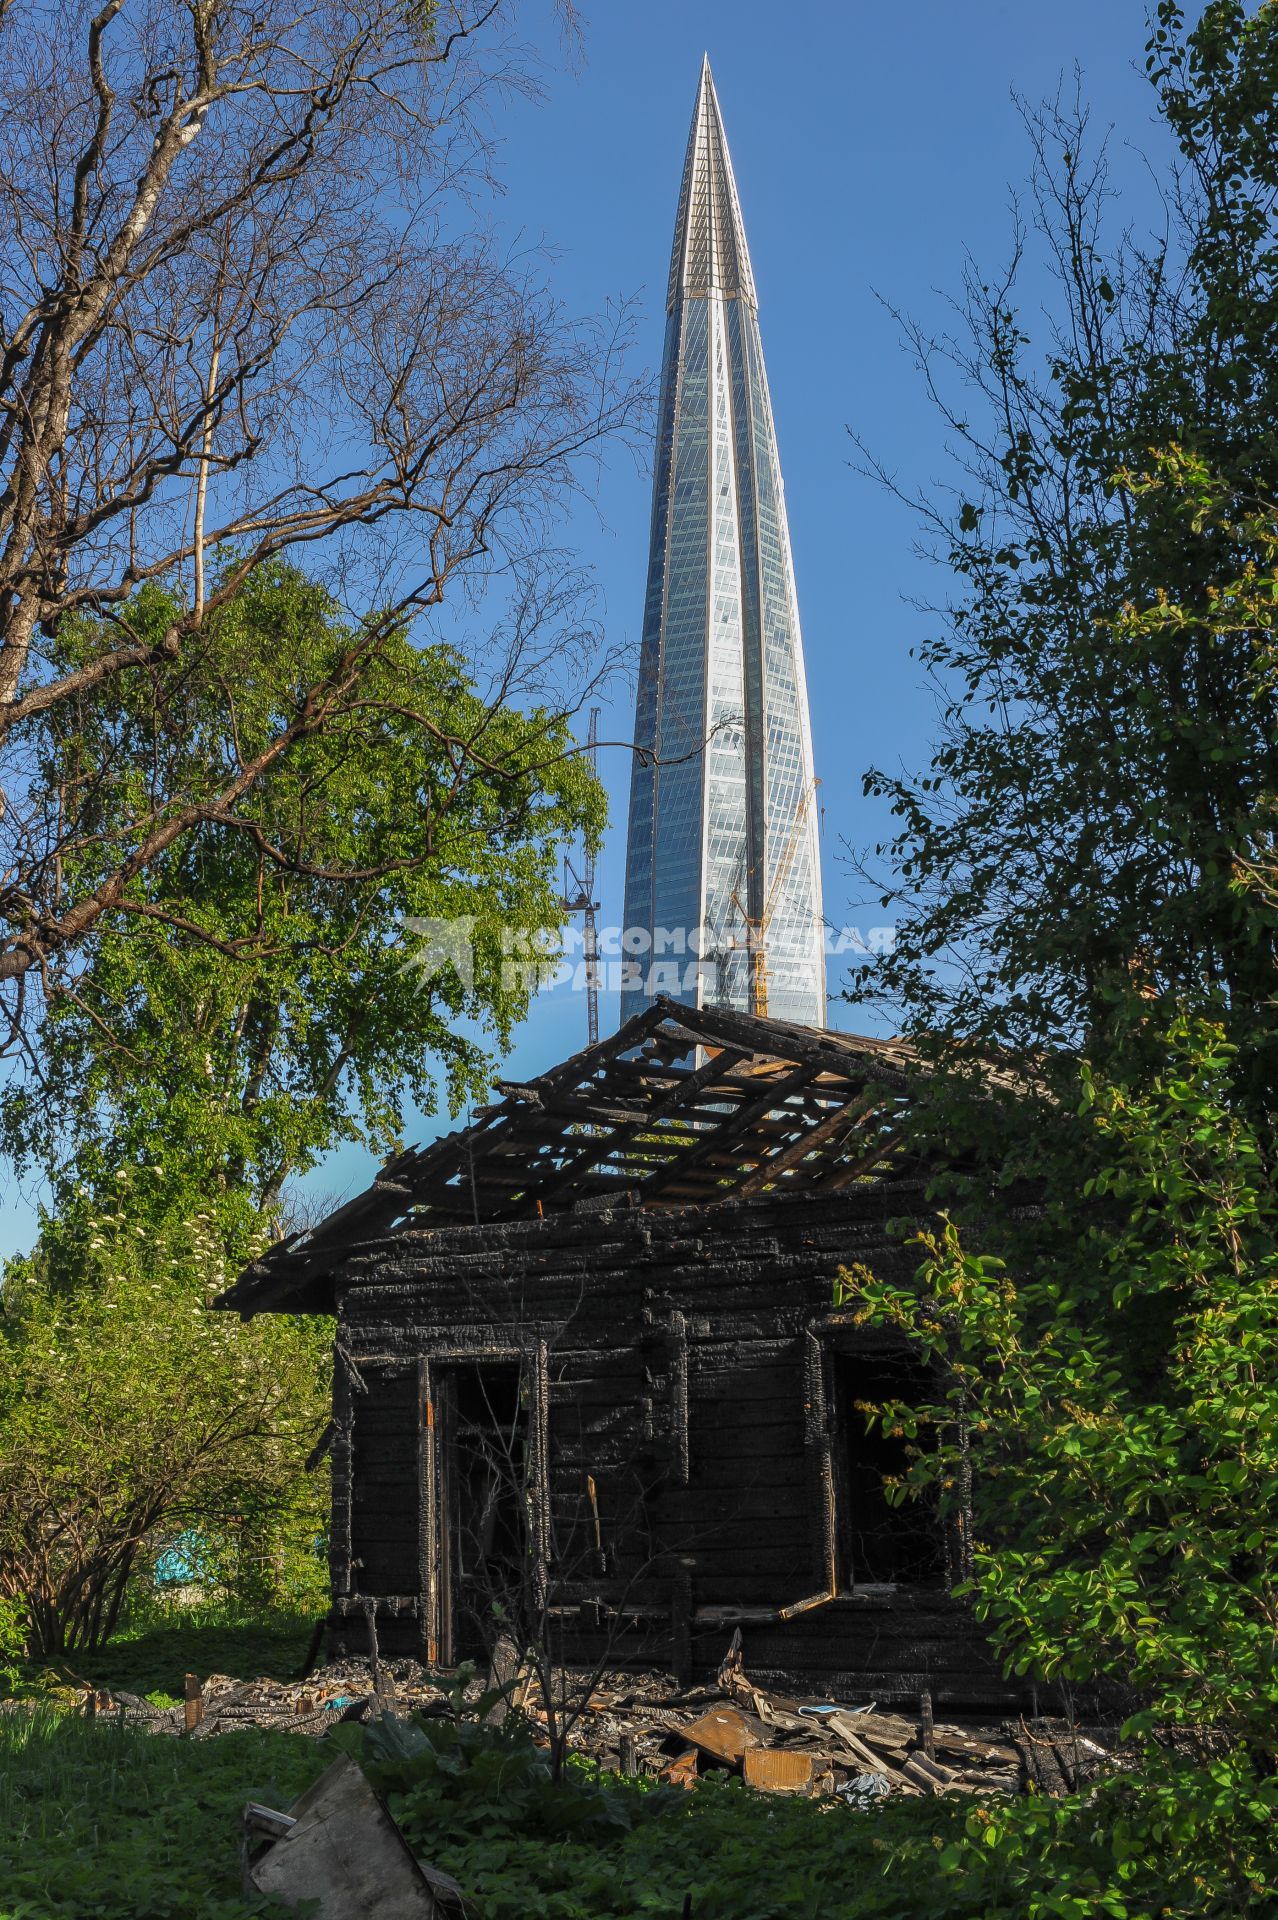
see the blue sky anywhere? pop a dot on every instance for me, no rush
(874, 146)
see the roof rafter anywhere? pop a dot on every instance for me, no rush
(682, 1106)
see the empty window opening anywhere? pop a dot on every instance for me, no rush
(879, 1543)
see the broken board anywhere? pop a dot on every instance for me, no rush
(345, 1852)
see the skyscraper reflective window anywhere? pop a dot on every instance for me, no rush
(722, 857)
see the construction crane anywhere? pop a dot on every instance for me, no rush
(579, 897)
(756, 929)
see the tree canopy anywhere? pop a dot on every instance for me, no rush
(247, 315)
(1100, 777)
(1091, 860)
(299, 1014)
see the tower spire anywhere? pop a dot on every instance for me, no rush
(722, 863)
(710, 252)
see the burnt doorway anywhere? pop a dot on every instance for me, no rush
(481, 1411)
(879, 1543)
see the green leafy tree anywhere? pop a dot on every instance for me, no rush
(129, 1413)
(259, 993)
(1077, 834)
(251, 308)
(1088, 884)
(1112, 1370)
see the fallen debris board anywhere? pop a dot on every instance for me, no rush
(844, 1726)
(953, 1744)
(345, 1852)
(928, 1774)
(885, 1731)
(781, 1769)
(974, 1780)
(1039, 1757)
(724, 1734)
(683, 1771)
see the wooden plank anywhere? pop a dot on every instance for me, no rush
(808, 1139)
(868, 1058)
(780, 1769)
(746, 1112)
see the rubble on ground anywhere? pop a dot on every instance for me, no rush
(645, 1723)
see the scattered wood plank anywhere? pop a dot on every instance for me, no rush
(725, 1734)
(927, 1774)
(843, 1726)
(193, 1703)
(782, 1770)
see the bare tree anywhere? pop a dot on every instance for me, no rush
(246, 312)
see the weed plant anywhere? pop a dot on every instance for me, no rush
(100, 1821)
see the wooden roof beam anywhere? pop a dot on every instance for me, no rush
(668, 1107)
(733, 1127)
(849, 1120)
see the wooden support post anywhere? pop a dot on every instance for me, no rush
(820, 1452)
(540, 1476)
(926, 1733)
(680, 1464)
(193, 1703)
(385, 1695)
(341, 1572)
(428, 1516)
(681, 1623)
(629, 1754)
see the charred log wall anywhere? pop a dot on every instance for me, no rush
(678, 1363)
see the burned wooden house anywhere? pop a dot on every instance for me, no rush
(590, 1347)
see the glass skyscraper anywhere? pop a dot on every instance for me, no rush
(723, 874)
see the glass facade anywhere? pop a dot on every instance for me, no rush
(722, 858)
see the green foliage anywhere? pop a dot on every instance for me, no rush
(1093, 844)
(129, 1412)
(1112, 1362)
(1187, 1841)
(251, 998)
(14, 1635)
(107, 1823)
(1100, 775)
(462, 1765)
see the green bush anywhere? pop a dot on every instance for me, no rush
(130, 1413)
(14, 1628)
(1112, 1391)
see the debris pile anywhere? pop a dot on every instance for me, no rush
(815, 1747)
(349, 1690)
(820, 1748)
(645, 1723)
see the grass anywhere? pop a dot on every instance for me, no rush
(105, 1822)
(151, 1656)
(102, 1821)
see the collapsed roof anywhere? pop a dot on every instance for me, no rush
(681, 1107)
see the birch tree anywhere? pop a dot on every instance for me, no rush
(248, 310)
